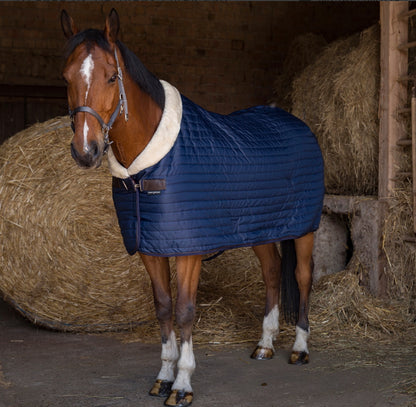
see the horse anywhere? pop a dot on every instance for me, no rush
(147, 127)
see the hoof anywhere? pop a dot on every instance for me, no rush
(299, 358)
(262, 353)
(161, 388)
(179, 398)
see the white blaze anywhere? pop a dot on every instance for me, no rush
(86, 128)
(86, 73)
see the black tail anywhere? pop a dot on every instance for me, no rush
(290, 289)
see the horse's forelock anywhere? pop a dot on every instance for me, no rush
(88, 37)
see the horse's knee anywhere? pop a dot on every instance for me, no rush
(185, 314)
(163, 309)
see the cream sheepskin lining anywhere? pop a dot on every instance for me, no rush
(161, 142)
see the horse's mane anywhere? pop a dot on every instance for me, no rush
(139, 73)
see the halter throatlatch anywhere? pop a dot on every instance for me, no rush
(121, 107)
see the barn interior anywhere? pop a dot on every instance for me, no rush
(319, 60)
(224, 56)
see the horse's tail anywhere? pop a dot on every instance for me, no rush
(289, 286)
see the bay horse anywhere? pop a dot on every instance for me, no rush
(117, 106)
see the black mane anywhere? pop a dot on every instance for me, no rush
(139, 73)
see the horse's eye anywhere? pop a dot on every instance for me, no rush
(113, 78)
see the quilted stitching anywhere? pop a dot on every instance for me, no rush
(251, 177)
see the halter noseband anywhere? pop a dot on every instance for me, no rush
(121, 106)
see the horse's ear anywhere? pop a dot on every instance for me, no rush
(68, 25)
(112, 26)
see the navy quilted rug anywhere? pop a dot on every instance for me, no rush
(252, 177)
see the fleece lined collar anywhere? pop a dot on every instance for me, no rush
(161, 142)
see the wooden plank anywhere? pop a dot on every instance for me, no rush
(12, 117)
(407, 78)
(406, 45)
(41, 109)
(407, 14)
(394, 65)
(403, 110)
(414, 155)
(54, 92)
(404, 142)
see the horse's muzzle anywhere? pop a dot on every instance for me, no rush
(90, 158)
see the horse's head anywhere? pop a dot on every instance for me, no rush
(95, 87)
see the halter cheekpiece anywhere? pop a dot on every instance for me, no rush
(121, 107)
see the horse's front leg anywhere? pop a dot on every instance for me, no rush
(158, 269)
(303, 273)
(188, 269)
(271, 267)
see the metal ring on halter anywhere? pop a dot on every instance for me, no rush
(121, 106)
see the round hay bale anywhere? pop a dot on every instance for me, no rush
(303, 51)
(63, 263)
(338, 97)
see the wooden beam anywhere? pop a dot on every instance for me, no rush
(47, 92)
(393, 92)
(414, 155)
(408, 14)
(404, 142)
(406, 45)
(403, 111)
(407, 78)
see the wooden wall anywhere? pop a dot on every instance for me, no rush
(223, 55)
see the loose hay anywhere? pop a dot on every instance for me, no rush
(337, 96)
(340, 303)
(401, 256)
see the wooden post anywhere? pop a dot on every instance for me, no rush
(414, 155)
(393, 96)
(393, 92)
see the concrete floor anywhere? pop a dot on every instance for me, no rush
(40, 368)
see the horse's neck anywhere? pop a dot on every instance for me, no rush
(131, 137)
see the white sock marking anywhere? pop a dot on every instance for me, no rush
(301, 342)
(169, 357)
(186, 367)
(270, 328)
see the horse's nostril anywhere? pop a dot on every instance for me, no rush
(74, 152)
(94, 149)
(89, 157)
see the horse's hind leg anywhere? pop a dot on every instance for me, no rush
(303, 273)
(270, 265)
(158, 269)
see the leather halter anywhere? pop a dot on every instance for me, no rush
(121, 106)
